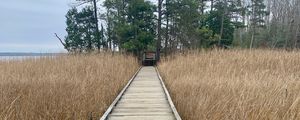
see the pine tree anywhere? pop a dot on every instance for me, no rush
(116, 21)
(220, 22)
(72, 40)
(257, 10)
(141, 26)
(185, 19)
(82, 35)
(94, 9)
(130, 24)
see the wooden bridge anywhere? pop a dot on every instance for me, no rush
(145, 97)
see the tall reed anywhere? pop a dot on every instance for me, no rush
(235, 84)
(65, 87)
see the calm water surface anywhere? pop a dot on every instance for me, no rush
(23, 56)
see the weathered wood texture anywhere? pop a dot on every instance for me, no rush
(144, 99)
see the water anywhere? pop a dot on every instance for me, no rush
(23, 56)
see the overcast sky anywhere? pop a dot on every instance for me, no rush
(29, 25)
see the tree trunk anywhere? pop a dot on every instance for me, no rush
(109, 30)
(253, 27)
(158, 42)
(211, 5)
(296, 37)
(252, 38)
(97, 26)
(202, 6)
(167, 29)
(222, 22)
(221, 31)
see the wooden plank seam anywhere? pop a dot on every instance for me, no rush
(114, 103)
(174, 110)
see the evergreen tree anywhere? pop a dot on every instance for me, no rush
(82, 35)
(140, 26)
(116, 21)
(187, 23)
(219, 21)
(257, 10)
(131, 24)
(73, 40)
(87, 27)
(94, 8)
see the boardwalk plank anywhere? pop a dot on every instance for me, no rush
(144, 99)
(141, 118)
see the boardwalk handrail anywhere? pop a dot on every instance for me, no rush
(174, 110)
(110, 108)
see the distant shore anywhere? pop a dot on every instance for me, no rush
(29, 54)
(21, 56)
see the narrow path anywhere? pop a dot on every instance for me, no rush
(145, 98)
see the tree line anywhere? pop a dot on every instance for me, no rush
(171, 25)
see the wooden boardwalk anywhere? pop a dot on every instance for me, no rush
(144, 98)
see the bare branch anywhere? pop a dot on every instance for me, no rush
(64, 44)
(81, 2)
(78, 4)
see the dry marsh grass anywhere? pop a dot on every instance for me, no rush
(66, 87)
(235, 84)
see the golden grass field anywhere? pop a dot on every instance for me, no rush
(61, 88)
(235, 84)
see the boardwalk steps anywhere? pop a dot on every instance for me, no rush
(145, 97)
